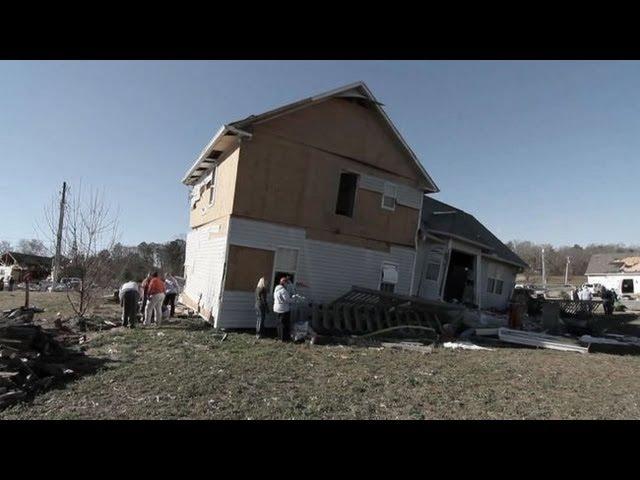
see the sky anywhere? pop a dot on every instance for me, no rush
(545, 151)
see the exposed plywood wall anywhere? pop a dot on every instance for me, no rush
(346, 127)
(292, 184)
(224, 191)
(245, 266)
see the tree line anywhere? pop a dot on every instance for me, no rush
(555, 257)
(120, 262)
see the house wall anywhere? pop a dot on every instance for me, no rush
(224, 191)
(205, 256)
(502, 271)
(289, 173)
(614, 281)
(325, 270)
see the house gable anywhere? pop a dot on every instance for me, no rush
(345, 127)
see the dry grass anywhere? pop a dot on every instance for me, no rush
(184, 371)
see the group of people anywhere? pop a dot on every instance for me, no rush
(609, 297)
(10, 283)
(284, 295)
(148, 298)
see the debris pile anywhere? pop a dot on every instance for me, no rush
(32, 359)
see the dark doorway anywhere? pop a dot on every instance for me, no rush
(627, 285)
(460, 283)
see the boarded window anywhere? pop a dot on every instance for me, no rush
(346, 194)
(245, 266)
(389, 196)
(433, 271)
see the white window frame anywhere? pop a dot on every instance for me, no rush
(212, 191)
(382, 265)
(275, 263)
(394, 187)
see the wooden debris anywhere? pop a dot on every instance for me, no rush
(412, 346)
(539, 340)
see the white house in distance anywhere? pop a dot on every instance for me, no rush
(617, 271)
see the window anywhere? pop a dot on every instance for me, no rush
(433, 271)
(491, 282)
(389, 196)
(498, 289)
(389, 277)
(346, 194)
(211, 185)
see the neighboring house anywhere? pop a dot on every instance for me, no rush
(459, 259)
(325, 190)
(17, 265)
(617, 271)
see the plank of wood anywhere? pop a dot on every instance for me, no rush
(538, 340)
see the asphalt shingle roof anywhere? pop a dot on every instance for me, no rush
(462, 224)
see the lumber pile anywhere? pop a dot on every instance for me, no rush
(32, 359)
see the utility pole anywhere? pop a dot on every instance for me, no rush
(566, 271)
(56, 260)
(544, 275)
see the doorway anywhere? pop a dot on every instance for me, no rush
(460, 282)
(627, 285)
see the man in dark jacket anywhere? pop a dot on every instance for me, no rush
(261, 306)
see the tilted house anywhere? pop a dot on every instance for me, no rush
(461, 260)
(324, 189)
(617, 271)
(17, 265)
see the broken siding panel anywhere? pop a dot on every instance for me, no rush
(204, 267)
(430, 253)
(325, 270)
(407, 196)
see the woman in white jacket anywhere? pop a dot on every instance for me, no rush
(282, 308)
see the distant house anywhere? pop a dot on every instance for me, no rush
(617, 271)
(17, 265)
(459, 259)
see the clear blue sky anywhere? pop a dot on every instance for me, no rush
(542, 151)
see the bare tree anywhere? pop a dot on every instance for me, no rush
(5, 246)
(90, 231)
(32, 246)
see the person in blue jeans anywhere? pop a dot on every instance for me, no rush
(261, 306)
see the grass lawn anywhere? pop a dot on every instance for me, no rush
(184, 370)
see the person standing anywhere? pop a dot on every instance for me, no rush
(12, 282)
(261, 306)
(173, 289)
(282, 308)
(145, 291)
(1, 284)
(129, 295)
(155, 292)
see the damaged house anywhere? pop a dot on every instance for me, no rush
(617, 271)
(18, 265)
(327, 191)
(460, 260)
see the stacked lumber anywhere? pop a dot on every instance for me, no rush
(32, 360)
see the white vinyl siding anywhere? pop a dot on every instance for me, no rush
(497, 282)
(325, 270)
(405, 195)
(204, 267)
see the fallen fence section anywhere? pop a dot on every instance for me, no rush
(539, 340)
(362, 311)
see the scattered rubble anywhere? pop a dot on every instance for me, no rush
(34, 359)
